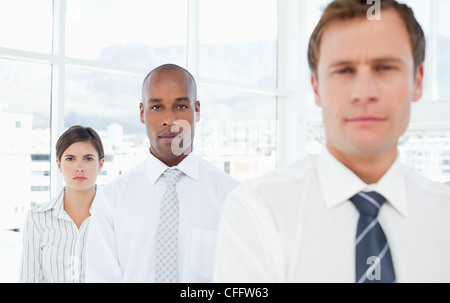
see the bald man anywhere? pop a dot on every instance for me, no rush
(128, 231)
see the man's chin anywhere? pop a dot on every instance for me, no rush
(170, 153)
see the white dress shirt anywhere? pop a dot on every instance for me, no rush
(53, 247)
(297, 225)
(122, 235)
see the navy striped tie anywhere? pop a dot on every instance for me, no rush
(373, 257)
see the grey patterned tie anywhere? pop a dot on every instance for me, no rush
(373, 256)
(166, 266)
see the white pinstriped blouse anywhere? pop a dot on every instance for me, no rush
(53, 247)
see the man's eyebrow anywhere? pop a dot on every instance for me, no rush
(341, 63)
(376, 60)
(154, 100)
(180, 99)
(388, 59)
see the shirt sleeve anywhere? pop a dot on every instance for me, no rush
(30, 267)
(248, 248)
(102, 264)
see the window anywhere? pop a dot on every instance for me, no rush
(36, 36)
(238, 130)
(25, 123)
(427, 139)
(238, 78)
(138, 33)
(443, 45)
(232, 48)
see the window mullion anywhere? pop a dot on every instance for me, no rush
(293, 73)
(433, 65)
(193, 37)
(58, 90)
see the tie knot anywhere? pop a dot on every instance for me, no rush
(368, 203)
(172, 176)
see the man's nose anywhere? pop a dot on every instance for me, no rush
(365, 87)
(169, 117)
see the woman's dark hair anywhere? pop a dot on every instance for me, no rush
(78, 133)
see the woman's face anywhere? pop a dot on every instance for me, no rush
(80, 165)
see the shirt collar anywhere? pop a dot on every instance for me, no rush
(339, 183)
(189, 166)
(56, 203)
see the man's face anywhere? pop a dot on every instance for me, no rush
(365, 84)
(168, 112)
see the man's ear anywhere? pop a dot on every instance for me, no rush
(315, 86)
(418, 83)
(197, 111)
(141, 112)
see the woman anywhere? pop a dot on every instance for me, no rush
(55, 232)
